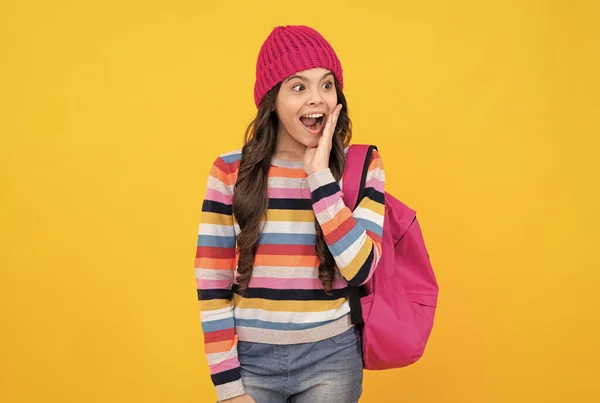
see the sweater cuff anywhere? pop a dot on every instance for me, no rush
(320, 178)
(230, 390)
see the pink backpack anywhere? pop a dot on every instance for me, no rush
(395, 309)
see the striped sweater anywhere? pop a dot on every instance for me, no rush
(285, 303)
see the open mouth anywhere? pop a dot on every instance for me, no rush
(313, 122)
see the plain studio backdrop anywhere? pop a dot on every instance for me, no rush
(111, 113)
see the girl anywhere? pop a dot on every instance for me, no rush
(277, 246)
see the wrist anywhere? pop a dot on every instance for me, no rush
(320, 178)
(316, 169)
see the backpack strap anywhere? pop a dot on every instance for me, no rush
(353, 182)
(355, 173)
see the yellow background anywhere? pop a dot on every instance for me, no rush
(486, 116)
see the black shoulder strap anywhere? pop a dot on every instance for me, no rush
(355, 293)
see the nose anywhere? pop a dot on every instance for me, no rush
(315, 97)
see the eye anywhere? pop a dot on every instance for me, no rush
(328, 85)
(298, 87)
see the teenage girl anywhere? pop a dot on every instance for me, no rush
(277, 246)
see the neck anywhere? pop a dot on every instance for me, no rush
(287, 147)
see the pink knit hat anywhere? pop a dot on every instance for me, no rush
(288, 50)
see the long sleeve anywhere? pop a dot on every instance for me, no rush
(353, 237)
(214, 268)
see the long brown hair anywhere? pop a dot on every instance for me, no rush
(250, 198)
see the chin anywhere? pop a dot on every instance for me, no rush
(303, 137)
(311, 142)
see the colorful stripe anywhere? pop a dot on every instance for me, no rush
(284, 303)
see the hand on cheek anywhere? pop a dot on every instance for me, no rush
(317, 158)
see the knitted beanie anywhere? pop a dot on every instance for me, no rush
(288, 50)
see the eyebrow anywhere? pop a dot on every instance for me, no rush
(304, 78)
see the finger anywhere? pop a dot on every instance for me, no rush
(334, 118)
(327, 128)
(332, 121)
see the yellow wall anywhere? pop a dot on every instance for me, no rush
(486, 116)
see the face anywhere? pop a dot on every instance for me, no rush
(302, 105)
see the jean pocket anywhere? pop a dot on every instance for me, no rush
(244, 347)
(346, 338)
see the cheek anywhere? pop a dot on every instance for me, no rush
(295, 130)
(288, 118)
(286, 110)
(331, 100)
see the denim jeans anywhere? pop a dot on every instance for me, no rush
(326, 371)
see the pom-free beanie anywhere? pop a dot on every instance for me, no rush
(288, 50)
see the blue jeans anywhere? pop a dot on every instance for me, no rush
(326, 371)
